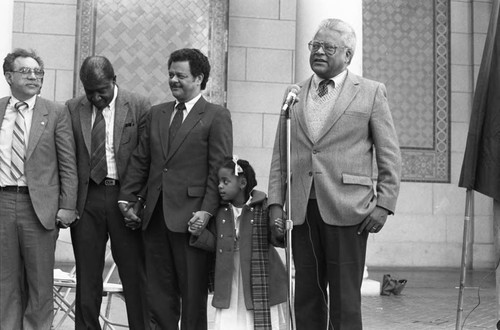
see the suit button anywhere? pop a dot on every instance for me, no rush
(315, 152)
(220, 250)
(251, 221)
(165, 169)
(310, 173)
(221, 235)
(223, 220)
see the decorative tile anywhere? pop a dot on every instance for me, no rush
(138, 36)
(406, 46)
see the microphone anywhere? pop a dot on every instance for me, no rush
(291, 97)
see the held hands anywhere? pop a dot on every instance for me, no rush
(130, 211)
(198, 222)
(374, 222)
(65, 217)
(277, 224)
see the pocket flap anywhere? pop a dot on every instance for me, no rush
(356, 179)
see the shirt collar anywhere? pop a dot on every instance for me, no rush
(338, 79)
(113, 101)
(30, 102)
(189, 104)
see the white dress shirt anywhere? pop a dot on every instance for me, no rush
(6, 132)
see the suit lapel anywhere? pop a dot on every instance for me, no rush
(187, 125)
(3, 107)
(300, 109)
(38, 124)
(85, 112)
(121, 112)
(347, 94)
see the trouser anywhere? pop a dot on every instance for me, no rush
(177, 277)
(101, 220)
(330, 257)
(26, 265)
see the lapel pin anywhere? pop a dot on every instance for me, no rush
(43, 123)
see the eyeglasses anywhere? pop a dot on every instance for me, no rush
(329, 49)
(39, 73)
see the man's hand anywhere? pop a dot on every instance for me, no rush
(277, 223)
(374, 222)
(129, 211)
(65, 217)
(198, 222)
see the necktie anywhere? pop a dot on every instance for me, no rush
(176, 122)
(18, 143)
(323, 87)
(98, 167)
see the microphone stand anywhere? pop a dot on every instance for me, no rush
(289, 222)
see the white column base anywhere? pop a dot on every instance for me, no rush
(369, 287)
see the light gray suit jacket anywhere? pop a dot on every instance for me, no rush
(340, 162)
(50, 165)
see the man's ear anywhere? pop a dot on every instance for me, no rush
(8, 77)
(199, 79)
(348, 54)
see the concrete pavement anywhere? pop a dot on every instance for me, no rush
(429, 301)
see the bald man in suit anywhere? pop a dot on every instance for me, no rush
(339, 125)
(102, 164)
(38, 187)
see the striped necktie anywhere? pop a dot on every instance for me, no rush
(98, 166)
(18, 155)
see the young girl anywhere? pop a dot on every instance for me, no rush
(250, 278)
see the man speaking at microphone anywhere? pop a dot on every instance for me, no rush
(339, 124)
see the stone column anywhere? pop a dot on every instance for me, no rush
(309, 14)
(6, 18)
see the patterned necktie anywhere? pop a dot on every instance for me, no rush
(323, 87)
(98, 167)
(176, 122)
(18, 143)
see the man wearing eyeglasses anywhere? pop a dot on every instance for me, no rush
(38, 188)
(340, 123)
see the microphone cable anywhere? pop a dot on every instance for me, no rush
(281, 142)
(478, 292)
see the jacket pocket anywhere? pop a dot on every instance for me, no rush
(356, 179)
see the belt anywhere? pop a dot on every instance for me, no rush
(109, 182)
(16, 189)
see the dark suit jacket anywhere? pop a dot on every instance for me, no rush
(50, 165)
(130, 121)
(186, 175)
(341, 160)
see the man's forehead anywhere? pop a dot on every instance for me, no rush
(179, 66)
(26, 61)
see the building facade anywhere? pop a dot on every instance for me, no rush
(263, 49)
